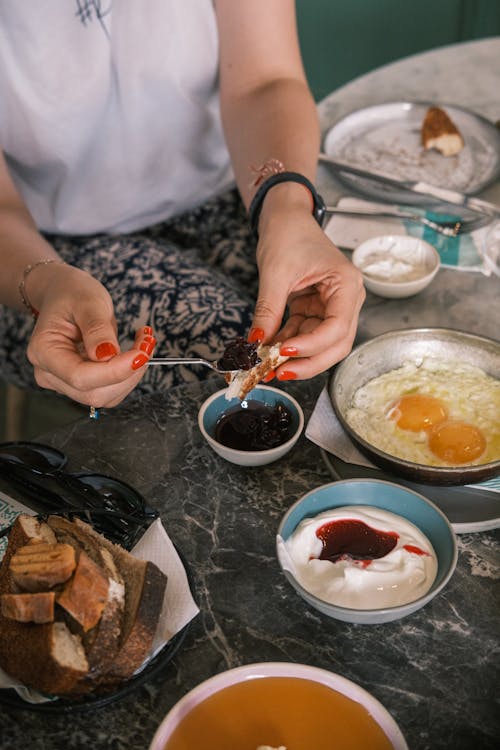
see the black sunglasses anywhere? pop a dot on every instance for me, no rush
(36, 471)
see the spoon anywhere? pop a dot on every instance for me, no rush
(190, 361)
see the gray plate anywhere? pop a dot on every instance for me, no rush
(468, 509)
(386, 138)
(388, 352)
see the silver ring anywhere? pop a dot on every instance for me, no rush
(93, 413)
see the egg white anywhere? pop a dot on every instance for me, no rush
(468, 393)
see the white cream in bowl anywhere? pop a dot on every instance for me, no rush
(366, 578)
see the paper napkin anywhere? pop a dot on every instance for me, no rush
(463, 253)
(179, 607)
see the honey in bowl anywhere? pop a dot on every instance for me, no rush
(292, 712)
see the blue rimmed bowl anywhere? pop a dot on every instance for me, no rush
(217, 404)
(389, 497)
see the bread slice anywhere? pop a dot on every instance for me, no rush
(243, 381)
(145, 587)
(38, 607)
(41, 566)
(102, 641)
(440, 132)
(85, 595)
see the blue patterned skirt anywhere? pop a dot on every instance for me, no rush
(193, 279)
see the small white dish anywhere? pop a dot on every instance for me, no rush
(267, 718)
(396, 266)
(217, 405)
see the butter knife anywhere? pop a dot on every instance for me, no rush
(444, 195)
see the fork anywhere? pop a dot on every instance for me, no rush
(189, 361)
(450, 228)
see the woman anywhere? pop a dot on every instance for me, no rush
(123, 129)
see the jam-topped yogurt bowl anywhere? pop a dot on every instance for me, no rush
(366, 551)
(278, 705)
(257, 431)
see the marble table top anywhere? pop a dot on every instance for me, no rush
(436, 670)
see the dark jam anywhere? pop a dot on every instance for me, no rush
(350, 538)
(254, 426)
(239, 355)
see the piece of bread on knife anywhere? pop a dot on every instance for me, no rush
(104, 615)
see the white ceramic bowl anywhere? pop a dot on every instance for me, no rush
(387, 496)
(213, 408)
(387, 260)
(276, 723)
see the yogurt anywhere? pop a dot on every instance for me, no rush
(361, 557)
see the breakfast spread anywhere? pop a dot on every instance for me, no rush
(440, 132)
(434, 412)
(252, 363)
(362, 557)
(254, 426)
(77, 613)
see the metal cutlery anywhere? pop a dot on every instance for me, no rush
(189, 361)
(443, 195)
(448, 228)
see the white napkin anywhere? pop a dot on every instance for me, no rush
(325, 430)
(462, 253)
(179, 607)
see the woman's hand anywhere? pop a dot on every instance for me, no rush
(74, 348)
(301, 268)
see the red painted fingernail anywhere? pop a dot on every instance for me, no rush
(287, 375)
(255, 335)
(106, 349)
(289, 351)
(149, 338)
(148, 346)
(269, 376)
(147, 331)
(139, 361)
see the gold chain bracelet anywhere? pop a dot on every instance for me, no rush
(22, 284)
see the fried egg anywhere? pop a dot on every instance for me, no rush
(435, 412)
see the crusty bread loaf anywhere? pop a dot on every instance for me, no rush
(70, 656)
(241, 383)
(440, 132)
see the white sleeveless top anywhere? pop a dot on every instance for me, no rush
(109, 110)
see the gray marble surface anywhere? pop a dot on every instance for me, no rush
(436, 671)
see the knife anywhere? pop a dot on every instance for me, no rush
(421, 188)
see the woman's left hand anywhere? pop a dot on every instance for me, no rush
(301, 268)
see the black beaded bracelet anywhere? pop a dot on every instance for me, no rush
(258, 199)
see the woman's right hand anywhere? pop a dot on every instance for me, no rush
(74, 347)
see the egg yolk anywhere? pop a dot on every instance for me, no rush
(457, 442)
(417, 412)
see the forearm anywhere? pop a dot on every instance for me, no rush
(20, 246)
(20, 242)
(275, 121)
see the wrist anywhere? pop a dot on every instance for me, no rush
(37, 277)
(286, 191)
